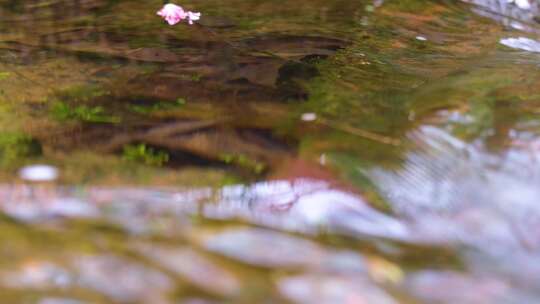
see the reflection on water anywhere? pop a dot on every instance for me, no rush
(318, 152)
(522, 43)
(307, 206)
(491, 237)
(515, 14)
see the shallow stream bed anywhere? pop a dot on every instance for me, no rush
(309, 152)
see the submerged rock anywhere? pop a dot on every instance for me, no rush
(441, 287)
(328, 289)
(265, 248)
(194, 268)
(60, 301)
(122, 280)
(41, 275)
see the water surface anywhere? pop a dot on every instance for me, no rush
(314, 152)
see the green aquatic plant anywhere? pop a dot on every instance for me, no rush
(63, 111)
(196, 77)
(15, 146)
(145, 154)
(82, 93)
(244, 162)
(159, 106)
(4, 75)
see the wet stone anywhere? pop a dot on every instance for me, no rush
(59, 301)
(328, 289)
(193, 267)
(265, 248)
(38, 275)
(199, 301)
(123, 280)
(33, 204)
(344, 262)
(441, 287)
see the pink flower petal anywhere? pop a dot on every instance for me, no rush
(173, 14)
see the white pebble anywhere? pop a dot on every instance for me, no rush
(39, 173)
(322, 159)
(523, 4)
(309, 116)
(421, 38)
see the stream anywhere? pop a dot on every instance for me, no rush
(355, 152)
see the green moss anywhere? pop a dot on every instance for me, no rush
(62, 112)
(15, 147)
(4, 75)
(160, 106)
(81, 93)
(145, 154)
(243, 161)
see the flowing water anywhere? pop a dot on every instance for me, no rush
(275, 152)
